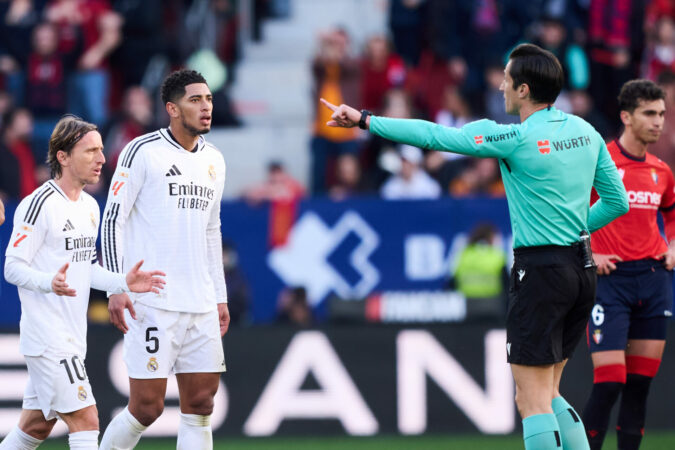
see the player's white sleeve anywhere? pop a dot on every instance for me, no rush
(19, 273)
(124, 187)
(28, 235)
(105, 280)
(214, 248)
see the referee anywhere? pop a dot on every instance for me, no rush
(548, 162)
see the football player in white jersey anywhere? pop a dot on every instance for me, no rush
(51, 257)
(164, 203)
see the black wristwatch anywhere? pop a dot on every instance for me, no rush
(364, 113)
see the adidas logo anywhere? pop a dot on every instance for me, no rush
(69, 226)
(173, 171)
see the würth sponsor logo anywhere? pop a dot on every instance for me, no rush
(567, 144)
(478, 139)
(544, 147)
(501, 137)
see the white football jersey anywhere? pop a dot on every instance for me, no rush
(49, 231)
(164, 207)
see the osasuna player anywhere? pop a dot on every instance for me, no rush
(51, 257)
(164, 203)
(627, 329)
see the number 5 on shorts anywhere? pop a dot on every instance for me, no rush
(153, 339)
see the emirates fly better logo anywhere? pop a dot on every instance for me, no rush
(544, 147)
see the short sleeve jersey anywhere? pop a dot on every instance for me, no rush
(650, 187)
(49, 231)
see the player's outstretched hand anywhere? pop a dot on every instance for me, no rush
(117, 303)
(343, 116)
(59, 285)
(605, 263)
(139, 281)
(224, 317)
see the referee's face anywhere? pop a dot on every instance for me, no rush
(195, 109)
(511, 104)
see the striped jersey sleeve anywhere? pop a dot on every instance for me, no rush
(30, 227)
(124, 188)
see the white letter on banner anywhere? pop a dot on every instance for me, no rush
(419, 354)
(310, 351)
(424, 257)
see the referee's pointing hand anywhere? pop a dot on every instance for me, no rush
(343, 116)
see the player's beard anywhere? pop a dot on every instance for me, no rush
(194, 131)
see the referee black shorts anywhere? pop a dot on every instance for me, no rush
(550, 299)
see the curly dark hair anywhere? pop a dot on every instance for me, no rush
(174, 84)
(67, 132)
(539, 69)
(635, 91)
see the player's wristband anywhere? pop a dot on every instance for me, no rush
(364, 114)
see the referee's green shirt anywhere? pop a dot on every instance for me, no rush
(548, 163)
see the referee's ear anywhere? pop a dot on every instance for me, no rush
(523, 91)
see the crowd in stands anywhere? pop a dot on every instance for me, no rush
(102, 60)
(444, 62)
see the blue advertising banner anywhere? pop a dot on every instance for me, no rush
(350, 249)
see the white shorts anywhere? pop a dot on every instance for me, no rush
(160, 342)
(57, 384)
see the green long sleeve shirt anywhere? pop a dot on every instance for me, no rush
(548, 164)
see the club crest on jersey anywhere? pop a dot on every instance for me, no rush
(597, 336)
(655, 177)
(153, 365)
(81, 393)
(212, 173)
(622, 172)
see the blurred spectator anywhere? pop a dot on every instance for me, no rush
(581, 104)
(480, 178)
(412, 182)
(238, 294)
(494, 97)
(279, 186)
(552, 36)
(661, 51)
(349, 179)
(17, 165)
(144, 39)
(664, 148)
(381, 70)
(407, 24)
(480, 274)
(336, 78)
(283, 193)
(46, 74)
(293, 307)
(89, 25)
(135, 119)
(615, 41)
(455, 111)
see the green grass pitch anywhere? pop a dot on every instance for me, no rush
(652, 441)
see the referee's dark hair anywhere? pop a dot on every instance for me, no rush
(539, 69)
(173, 87)
(635, 91)
(67, 132)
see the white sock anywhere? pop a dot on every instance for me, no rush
(194, 432)
(18, 440)
(83, 440)
(123, 432)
